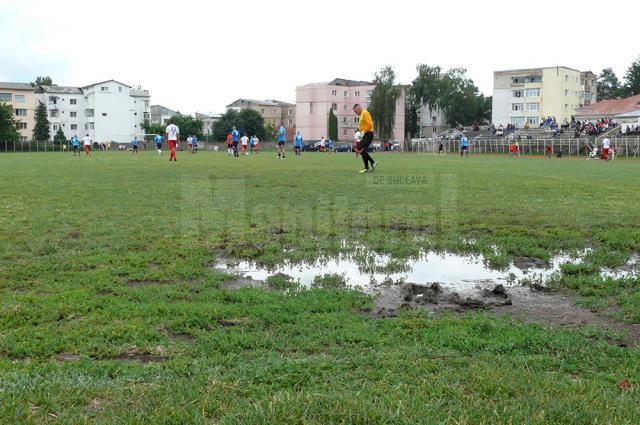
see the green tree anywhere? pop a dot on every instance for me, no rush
(427, 87)
(270, 131)
(188, 125)
(152, 128)
(41, 130)
(460, 99)
(608, 85)
(632, 79)
(332, 125)
(42, 81)
(411, 110)
(246, 121)
(383, 102)
(8, 130)
(59, 138)
(252, 123)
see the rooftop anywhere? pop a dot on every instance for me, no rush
(59, 89)
(536, 69)
(349, 83)
(15, 86)
(267, 102)
(611, 107)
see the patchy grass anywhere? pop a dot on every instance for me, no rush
(110, 312)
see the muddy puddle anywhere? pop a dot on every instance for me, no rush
(446, 281)
(454, 272)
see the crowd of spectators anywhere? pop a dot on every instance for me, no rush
(630, 130)
(588, 128)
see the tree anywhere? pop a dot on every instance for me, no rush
(608, 85)
(8, 130)
(460, 99)
(427, 87)
(247, 120)
(332, 125)
(152, 128)
(270, 131)
(252, 123)
(42, 81)
(41, 130)
(59, 138)
(632, 79)
(188, 125)
(383, 102)
(411, 109)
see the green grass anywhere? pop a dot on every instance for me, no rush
(109, 257)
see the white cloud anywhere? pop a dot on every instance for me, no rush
(196, 55)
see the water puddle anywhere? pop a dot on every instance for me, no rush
(453, 271)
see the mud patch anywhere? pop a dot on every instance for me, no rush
(67, 357)
(233, 322)
(143, 357)
(143, 283)
(75, 234)
(178, 336)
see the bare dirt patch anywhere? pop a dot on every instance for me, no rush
(523, 304)
(179, 336)
(142, 283)
(67, 357)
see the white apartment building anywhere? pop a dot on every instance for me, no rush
(527, 96)
(108, 111)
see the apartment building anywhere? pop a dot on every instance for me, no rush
(527, 96)
(161, 114)
(208, 120)
(21, 97)
(106, 111)
(314, 101)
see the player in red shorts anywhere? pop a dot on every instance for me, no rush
(173, 136)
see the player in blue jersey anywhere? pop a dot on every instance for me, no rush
(75, 142)
(282, 137)
(134, 144)
(464, 145)
(159, 139)
(235, 137)
(194, 143)
(297, 144)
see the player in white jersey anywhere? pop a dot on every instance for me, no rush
(173, 136)
(87, 142)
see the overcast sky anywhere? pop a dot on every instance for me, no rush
(198, 55)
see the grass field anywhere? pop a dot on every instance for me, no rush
(110, 311)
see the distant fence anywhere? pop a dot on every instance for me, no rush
(626, 146)
(31, 146)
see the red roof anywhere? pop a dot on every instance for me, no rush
(611, 107)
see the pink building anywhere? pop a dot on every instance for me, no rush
(313, 102)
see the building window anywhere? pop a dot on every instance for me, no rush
(104, 114)
(334, 106)
(356, 120)
(344, 120)
(533, 79)
(369, 93)
(147, 116)
(566, 107)
(518, 120)
(21, 112)
(104, 89)
(73, 101)
(6, 97)
(346, 107)
(290, 122)
(566, 78)
(23, 139)
(344, 132)
(21, 125)
(566, 92)
(73, 114)
(146, 103)
(88, 113)
(120, 89)
(357, 94)
(55, 127)
(89, 126)
(517, 93)
(346, 93)
(20, 98)
(262, 111)
(74, 126)
(517, 107)
(532, 93)
(434, 120)
(54, 113)
(334, 92)
(135, 113)
(533, 106)
(517, 80)
(533, 120)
